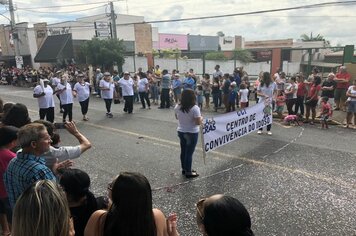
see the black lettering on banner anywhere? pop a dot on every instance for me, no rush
(252, 117)
(209, 126)
(251, 127)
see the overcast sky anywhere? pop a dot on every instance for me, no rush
(335, 23)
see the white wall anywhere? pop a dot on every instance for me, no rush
(33, 47)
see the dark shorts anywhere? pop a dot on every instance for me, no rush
(311, 103)
(340, 94)
(351, 106)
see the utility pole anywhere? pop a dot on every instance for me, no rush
(13, 28)
(113, 20)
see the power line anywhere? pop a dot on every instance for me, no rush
(71, 5)
(62, 12)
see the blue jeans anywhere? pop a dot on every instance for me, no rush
(188, 141)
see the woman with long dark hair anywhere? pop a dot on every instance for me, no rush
(131, 212)
(82, 202)
(189, 119)
(266, 90)
(312, 99)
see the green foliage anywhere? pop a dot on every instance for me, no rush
(242, 55)
(167, 53)
(311, 38)
(103, 52)
(215, 56)
(220, 34)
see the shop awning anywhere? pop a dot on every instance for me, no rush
(55, 48)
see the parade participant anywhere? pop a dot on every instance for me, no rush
(55, 80)
(351, 104)
(131, 212)
(8, 141)
(291, 94)
(342, 84)
(232, 97)
(153, 87)
(126, 83)
(206, 90)
(177, 88)
(217, 73)
(82, 91)
(107, 87)
(28, 166)
(158, 75)
(280, 102)
(189, 119)
(301, 92)
(44, 94)
(136, 80)
(243, 94)
(65, 94)
(216, 92)
(199, 95)
(225, 91)
(143, 89)
(165, 88)
(325, 112)
(221, 215)
(266, 90)
(98, 77)
(42, 210)
(312, 99)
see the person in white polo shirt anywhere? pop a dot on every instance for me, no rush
(82, 91)
(55, 80)
(107, 87)
(44, 94)
(126, 83)
(66, 96)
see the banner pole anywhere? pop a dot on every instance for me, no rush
(202, 143)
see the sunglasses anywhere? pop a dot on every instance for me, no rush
(200, 210)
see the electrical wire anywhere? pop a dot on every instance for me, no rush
(71, 5)
(63, 12)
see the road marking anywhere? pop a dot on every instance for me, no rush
(166, 143)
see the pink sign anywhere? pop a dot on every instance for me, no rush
(173, 41)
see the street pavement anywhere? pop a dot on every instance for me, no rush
(299, 181)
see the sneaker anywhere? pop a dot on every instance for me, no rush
(269, 133)
(259, 132)
(110, 115)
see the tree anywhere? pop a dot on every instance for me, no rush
(243, 55)
(215, 56)
(103, 52)
(220, 34)
(306, 38)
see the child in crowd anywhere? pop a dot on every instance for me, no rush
(280, 102)
(232, 97)
(200, 95)
(325, 112)
(243, 94)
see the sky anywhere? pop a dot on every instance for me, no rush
(335, 22)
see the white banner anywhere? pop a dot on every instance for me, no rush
(223, 129)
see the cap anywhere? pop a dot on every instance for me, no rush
(177, 75)
(233, 84)
(80, 75)
(107, 74)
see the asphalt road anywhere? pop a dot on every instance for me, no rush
(299, 181)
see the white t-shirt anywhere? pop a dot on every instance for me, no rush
(107, 94)
(186, 121)
(127, 86)
(83, 91)
(55, 81)
(45, 101)
(62, 154)
(268, 91)
(353, 92)
(290, 87)
(243, 95)
(142, 84)
(66, 96)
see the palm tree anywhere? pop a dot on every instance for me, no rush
(306, 38)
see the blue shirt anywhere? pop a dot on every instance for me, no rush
(189, 83)
(166, 81)
(24, 170)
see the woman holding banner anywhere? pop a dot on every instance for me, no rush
(189, 119)
(266, 91)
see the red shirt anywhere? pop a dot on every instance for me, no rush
(326, 108)
(301, 90)
(343, 85)
(314, 89)
(5, 157)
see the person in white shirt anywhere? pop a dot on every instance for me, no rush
(126, 83)
(65, 94)
(55, 80)
(143, 87)
(44, 94)
(107, 87)
(82, 90)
